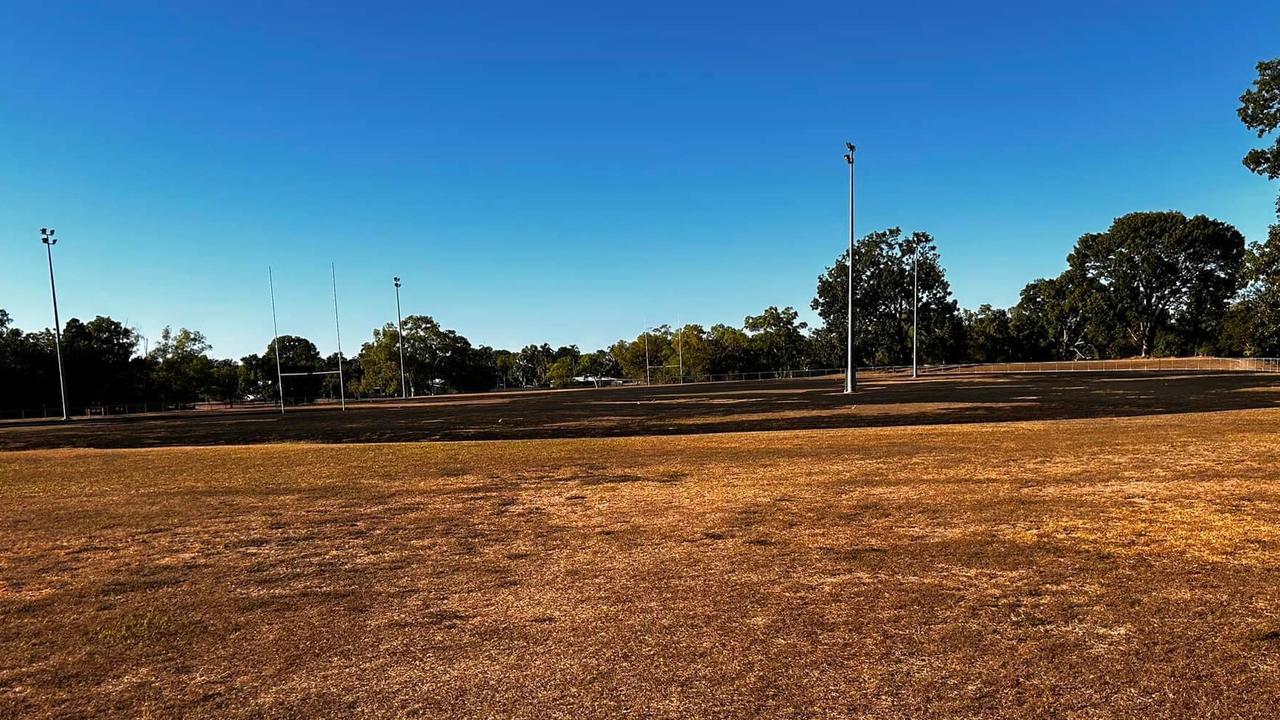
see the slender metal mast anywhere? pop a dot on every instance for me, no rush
(915, 306)
(337, 326)
(850, 377)
(276, 343)
(646, 355)
(680, 351)
(46, 236)
(404, 386)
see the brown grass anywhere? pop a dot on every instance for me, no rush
(1080, 568)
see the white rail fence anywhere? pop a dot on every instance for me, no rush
(1189, 364)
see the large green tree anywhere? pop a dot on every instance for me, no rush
(1253, 324)
(1060, 318)
(183, 370)
(694, 353)
(731, 350)
(599, 365)
(28, 368)
(651, 348)
(297, 355)
(990, 335)
(533, 365)
(778, 338)
(882, 302)
(1162, 273)
(436, 359)
(97, 356)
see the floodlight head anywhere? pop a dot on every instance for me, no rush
(851, 147)
(397, 281)
(848, 157)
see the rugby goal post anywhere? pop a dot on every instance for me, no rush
(337, 326)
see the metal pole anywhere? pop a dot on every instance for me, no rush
(276, 343)
(680, 353)
(49, 241)
(850, 379)
(915, 306)
(342, 391)
(646, 356)
(404, 387)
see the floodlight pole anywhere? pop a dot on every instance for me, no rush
(915, 306)
(276, 343)
(337, 326)
(404, 387)
(850, 377)
(46, 236)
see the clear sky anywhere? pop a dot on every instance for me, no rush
(567, 172)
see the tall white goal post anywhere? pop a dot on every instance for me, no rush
(337, 326)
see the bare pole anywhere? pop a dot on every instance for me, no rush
(850, 377)
(46, 236)
(276, 343)
(342, 390)
(680, 351)
(915, 306)
(646, 355)
(404, 386)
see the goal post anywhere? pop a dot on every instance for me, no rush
(337, 325)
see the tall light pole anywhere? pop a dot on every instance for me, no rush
(404, 387)
(850, 378)
(46, 237)
(915, 305)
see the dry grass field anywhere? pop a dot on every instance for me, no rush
(1095, 567)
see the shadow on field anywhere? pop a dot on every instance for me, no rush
(684, 409)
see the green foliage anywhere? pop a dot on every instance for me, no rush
(1157, 273)
(532, 364)
(183, 370)
(990, 335)
(882, 303)
(561, 372)
(1052, 320)
(778, 338)
(1260, 111)
(1252, 326)
(435, 360)
(599, 364)
(731, 350)
(28, 371)
(651, 349)
(97, 358)
(1154, 282)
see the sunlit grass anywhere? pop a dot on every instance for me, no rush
(1115, 567)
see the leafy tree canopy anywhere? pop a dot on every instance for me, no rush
(1260, 111)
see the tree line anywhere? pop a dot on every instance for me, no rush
(1153, 283)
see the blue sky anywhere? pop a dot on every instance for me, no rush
(568, 172)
